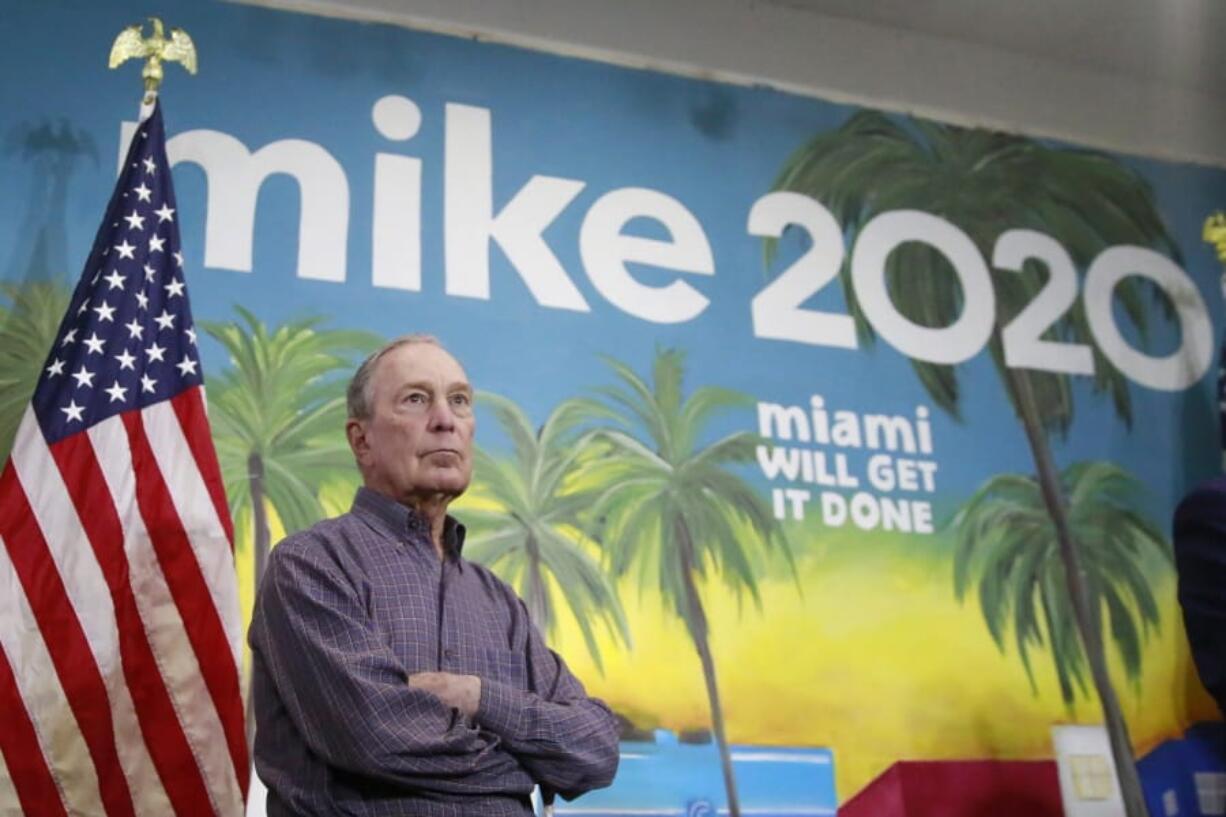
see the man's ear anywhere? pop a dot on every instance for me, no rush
(355, 431)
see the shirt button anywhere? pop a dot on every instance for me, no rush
(449, 654)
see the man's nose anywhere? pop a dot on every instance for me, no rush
(442, 418)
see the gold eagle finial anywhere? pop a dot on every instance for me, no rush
(1215, 233)
(156, 49)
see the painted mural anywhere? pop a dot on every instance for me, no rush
(793, 416)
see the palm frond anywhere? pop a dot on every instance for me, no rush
(282, 399)
(1006, 545)
(665, 507)
(534, 542)
(985, 182)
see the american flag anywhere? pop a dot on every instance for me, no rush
(120, 634)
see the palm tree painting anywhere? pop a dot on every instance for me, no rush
(278, 417)
(36, 306)
(28, 326)
(670, 508)
(534, 540)
(1007, 545)
(53, 150)
(987, 183)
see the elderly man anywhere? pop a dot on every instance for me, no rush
(391, 676)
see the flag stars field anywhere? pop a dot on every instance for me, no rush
(127, 351)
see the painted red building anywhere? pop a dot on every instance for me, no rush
(961, 788)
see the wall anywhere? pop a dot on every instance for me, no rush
(1139, 77)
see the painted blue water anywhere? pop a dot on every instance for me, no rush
(671, 778)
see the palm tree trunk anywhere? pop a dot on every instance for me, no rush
(255, 475)
(1087, 616)
(261, 536)
(696, 620)
(537, 599)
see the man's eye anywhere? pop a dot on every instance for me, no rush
(415, 397)
(460, 399)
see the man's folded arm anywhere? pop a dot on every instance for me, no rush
(349, 696)
(566, 740)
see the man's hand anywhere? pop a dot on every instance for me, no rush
(460, 691)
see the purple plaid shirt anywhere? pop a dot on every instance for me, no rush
(346, 612)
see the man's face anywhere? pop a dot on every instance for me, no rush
(417, 443)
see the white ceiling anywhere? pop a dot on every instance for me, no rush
(1139, 76)
(1176, 42)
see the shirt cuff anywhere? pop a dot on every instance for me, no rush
(500, 709)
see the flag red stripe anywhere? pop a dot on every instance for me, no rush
(189, 408)
(65, 641)
(197, 609)
(159, 724)
(36, 790)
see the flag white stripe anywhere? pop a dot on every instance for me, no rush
(57, 518)
(91, 600)
(179, 665)
(197, 515)
(9, 804)
(62, 745)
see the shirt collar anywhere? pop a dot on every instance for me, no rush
(401, 522)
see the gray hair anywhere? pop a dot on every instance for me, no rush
(357, 398)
